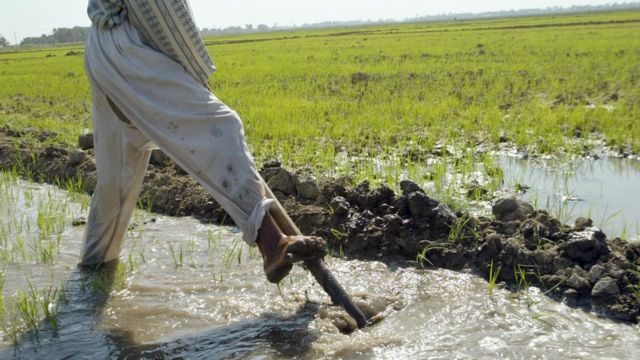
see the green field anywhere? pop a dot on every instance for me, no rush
(339, 99)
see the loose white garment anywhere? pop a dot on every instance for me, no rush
(159, 102)
(167, 26)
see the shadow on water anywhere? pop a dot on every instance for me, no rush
(78, 334)
(287, 336)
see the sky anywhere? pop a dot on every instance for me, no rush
(23, 18)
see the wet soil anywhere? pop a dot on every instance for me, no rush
(524, 246)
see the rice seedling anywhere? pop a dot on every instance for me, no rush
(177, 255)
(494, 273)
(231, 253)
(120, 278)
(213, 240)
(33, 305)
(131, 264)
(461, 228)
(421, 258)
(521, 278)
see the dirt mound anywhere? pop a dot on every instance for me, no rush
(524, 246)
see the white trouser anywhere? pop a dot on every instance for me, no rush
(154, 101)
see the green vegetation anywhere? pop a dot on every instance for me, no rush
(336, 99)
(494, 273)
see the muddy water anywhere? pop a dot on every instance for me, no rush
(188, 290)
(606, 190)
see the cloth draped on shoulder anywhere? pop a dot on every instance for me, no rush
(166, 26)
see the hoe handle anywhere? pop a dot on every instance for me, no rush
(331, 286)
(317, 267)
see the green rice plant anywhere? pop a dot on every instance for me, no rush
(101, 284)
(252, 253)
(624, 234)
(494, 273)
(177, 255)
(461, 228)
(339, 235)
(120, 278)
(213, 240)
(33, 305)
(520, 275)
(232, 252)
(141, 254)
(421, 258)
(48, 301)
(28, 309)
(132, 264)
(239, 254)
(76, 190)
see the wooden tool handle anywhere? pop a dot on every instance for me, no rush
(317, 267)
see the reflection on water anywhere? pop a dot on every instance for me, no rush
(606, 190)
(184, 289)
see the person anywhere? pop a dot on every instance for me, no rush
(148, 70)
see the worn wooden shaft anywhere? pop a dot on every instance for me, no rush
(317, 267)
(331, 286)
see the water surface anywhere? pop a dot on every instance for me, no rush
(190, 290)
(606, 189)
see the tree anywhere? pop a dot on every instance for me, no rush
(3, 42)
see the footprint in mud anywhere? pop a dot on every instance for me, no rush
(375, 308)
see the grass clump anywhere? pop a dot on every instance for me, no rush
(494, 274)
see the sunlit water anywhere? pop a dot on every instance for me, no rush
(213, 302)
(606, 190)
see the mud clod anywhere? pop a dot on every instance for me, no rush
(605, 289)
(421, 205)
(586, 246)
(409, 187)
(308, 189)
(582, 223)
(85, 141)
(511, 209)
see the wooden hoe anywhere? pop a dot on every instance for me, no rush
(317, 266)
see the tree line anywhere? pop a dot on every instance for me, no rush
(79, 33)
(59, 36)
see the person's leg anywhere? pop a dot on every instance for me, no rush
(122, 156)
(200, 133)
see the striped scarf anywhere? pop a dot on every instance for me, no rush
(165, 25)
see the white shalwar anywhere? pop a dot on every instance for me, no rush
(143, 99)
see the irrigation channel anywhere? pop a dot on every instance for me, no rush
(190, 290)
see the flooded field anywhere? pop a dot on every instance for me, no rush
(185, 289)
(606, 190)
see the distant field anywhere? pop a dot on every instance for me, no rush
(389, 92)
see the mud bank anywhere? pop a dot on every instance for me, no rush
(524, 246)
